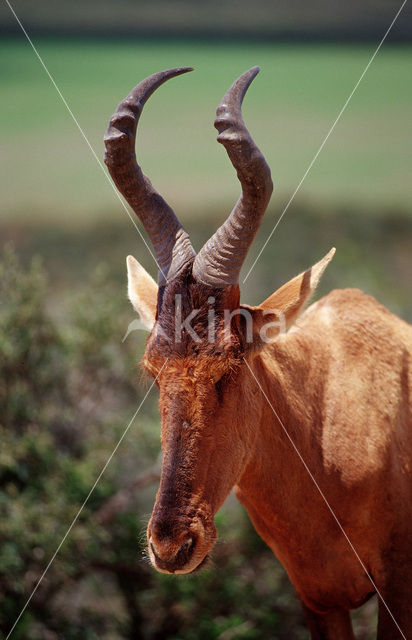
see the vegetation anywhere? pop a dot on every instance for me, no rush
(65, 402)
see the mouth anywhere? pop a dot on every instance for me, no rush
(182, 571)
(179, 564)
(202, 565)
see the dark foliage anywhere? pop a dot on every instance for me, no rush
(65, 401)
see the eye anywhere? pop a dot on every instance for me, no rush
(149, 369)
(219, 386)
(152, 367)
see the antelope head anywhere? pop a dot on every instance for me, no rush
(200, 334)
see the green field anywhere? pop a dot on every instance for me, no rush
(48, 170)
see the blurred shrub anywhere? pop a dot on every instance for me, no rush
(64, 382)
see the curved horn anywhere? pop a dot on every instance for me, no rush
(171, 243)
(219, 262)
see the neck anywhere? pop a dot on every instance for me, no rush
(290, 376)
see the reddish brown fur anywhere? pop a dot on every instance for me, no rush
(340, 382)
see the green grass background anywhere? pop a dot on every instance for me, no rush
(48, 170)
(57, 201)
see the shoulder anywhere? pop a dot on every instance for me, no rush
(346, 303)
(350, 313)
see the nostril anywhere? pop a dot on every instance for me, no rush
(189, 542)
(185, 551)
(186, 546)
(156, 549)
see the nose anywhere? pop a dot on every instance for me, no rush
(171, 554)
(168, 558)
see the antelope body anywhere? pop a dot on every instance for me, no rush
(312, 427)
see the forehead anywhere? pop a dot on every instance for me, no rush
(190, 359)
(191, 330)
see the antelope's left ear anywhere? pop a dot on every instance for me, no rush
(142, 292)
(278, 312)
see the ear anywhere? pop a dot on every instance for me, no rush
(292, 297)
(142, 292)
(278, 312)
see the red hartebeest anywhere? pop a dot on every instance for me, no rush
(337, 383)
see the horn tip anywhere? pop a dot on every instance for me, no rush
(244, 81)
(184, 69)
(252, 72)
